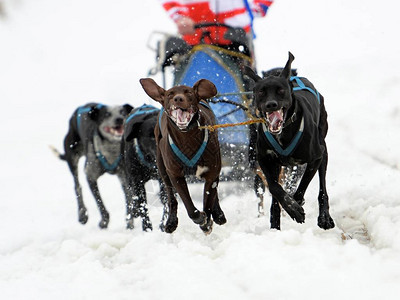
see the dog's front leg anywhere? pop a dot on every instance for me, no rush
(127, 188)
(105, 216)
(140, 204)
(164, 200)
(181, 187)
(324, 219)
(209, 197)
(271, 171)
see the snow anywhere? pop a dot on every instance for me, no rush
(56, 55)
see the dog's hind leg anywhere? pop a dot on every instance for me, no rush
(82, 211)
(325, 221)
(73, 151)
(105, 216)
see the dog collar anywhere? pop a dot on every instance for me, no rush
(103, 160)
(182, 157)
(293, 117)
(293, 144)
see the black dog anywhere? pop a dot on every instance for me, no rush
(95, 131)
(139, 148)
(293, 133)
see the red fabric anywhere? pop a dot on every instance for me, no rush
(200, 12)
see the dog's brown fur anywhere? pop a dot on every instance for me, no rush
(171, 169)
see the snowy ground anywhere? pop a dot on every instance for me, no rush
(56, 55)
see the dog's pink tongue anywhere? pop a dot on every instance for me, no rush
(275, 119)
(181, 116)
(119, 130)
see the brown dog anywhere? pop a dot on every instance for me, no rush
(184, 149)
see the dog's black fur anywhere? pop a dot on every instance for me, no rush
(95, 131)
(260, 182)
(274, 96)
(139, 148)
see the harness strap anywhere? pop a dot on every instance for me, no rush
(83, 110)
(302, 86)
(106, 165)
(183, 158)
(144, 109)
(141, 155)
(292, 145)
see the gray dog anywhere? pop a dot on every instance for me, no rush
(95, 131)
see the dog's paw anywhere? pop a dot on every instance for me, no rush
(199, 218)
(146, 225)
(294, 210)
(130, 224)
(171, 225)
(219, 217)
(207, 228)
(105, 218)
(83, 216)
(103, 224)
(325, 221)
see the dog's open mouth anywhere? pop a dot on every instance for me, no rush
(116, 131)
(275, 121)
(181, 117)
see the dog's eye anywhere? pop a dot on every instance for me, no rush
(107, 114)
(280, 92)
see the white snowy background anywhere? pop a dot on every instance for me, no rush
(56, 55)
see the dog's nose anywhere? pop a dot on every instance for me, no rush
(119, 121)
(271, 105)
(178, 98)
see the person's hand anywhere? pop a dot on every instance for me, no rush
(185, 25)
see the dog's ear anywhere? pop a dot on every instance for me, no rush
(152, 89)
(251, 74)
(286, 70)
(127, 108)
(131, 130)
(204, 89)
(95, 111)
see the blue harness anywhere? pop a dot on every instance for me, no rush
(178, 153)
(83, 110)
(145, 109)
(302, 86)
(107, 166)
(293, 144)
